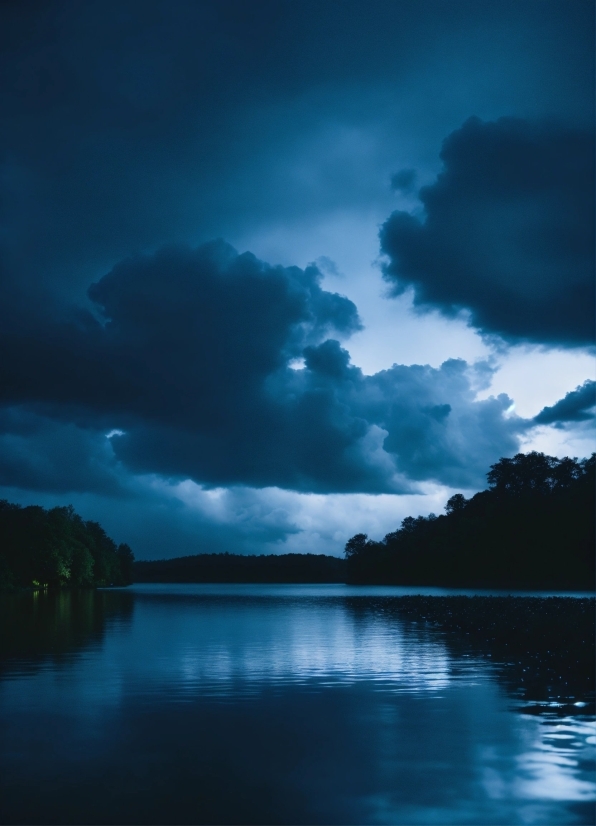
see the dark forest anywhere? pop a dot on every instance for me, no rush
(56, 548)
(533, 528)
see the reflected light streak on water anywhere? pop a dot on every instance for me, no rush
(547, 770)
(320, 645)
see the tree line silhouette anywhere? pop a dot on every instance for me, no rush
(237, 568)
(533, 528)
(57, 548)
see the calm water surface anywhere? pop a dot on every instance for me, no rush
(271, 704)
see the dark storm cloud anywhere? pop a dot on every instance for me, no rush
(37, 453)
(182, 361)
(329, 428)
(129, 124)
(404, 180)
(190, 356)
(576, 406)
(182, 335)
(508, 232)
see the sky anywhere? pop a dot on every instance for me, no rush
(275, 273)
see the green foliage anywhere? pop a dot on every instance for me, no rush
(56, 548)
(533, 528)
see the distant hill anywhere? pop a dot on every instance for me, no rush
(238, 568)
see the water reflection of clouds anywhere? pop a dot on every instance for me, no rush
(324, 646)
(433, 735)
(555, 762)
(549, 768)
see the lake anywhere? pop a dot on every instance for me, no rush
(282, 704)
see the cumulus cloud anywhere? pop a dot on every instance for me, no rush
(508, 232)
(329, 428)
(181, 335)
(436, 428)
(189, 358)
(576, 406)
